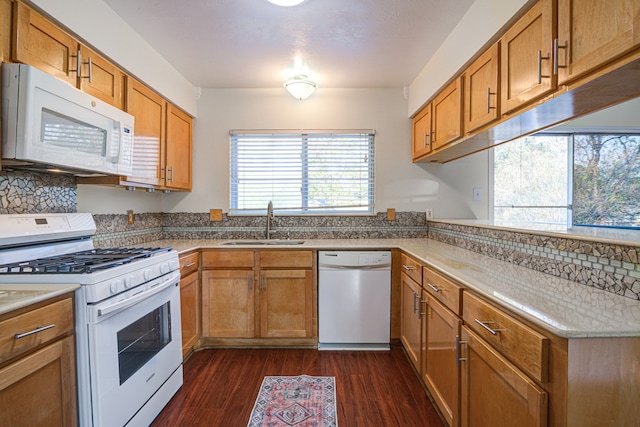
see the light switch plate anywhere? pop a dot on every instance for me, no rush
(131, 218)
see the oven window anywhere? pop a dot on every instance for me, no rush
(143, 339)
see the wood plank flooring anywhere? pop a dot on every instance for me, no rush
(372, 388)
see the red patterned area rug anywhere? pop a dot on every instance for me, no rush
(301, 401)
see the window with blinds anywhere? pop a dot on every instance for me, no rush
(308, 172)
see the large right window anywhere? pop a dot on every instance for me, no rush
(584, 179)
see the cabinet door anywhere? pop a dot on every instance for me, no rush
(40, 43)
(593, 32)
(286, 303)
(495, 392)
(39, 390)
(100, 78)
(422, 133)
(526, 57)
(227, 304)
(189, 311)
(447, 115)
(410, 324)
(148, 108)
(481, 90)
(440, 370)
(178, 149)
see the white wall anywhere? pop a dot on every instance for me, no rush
(399, 183)
(100, 26)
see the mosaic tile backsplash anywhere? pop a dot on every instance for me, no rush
(613, 268)
(24, 192)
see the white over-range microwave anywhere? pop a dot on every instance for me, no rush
(49, 125)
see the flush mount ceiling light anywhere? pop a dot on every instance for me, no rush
(300, 87)
(286, 2)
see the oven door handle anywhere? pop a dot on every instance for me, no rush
(172, 279)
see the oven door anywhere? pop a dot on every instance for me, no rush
(134, 347)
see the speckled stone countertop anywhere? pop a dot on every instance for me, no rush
(563, 307)
(13, 297)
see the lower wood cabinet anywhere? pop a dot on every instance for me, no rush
(440, 367)
(228, 304)
(286, 303)
(411, 319)
(38, 373)
(190, 303)
(259, 297)
(495, 392)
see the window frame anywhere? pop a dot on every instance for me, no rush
(305, 209)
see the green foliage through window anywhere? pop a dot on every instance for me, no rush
(579, 179)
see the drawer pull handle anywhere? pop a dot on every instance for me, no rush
(191, 264)
(492, 331)
(35, 331)
(435, 288)
(407, 268)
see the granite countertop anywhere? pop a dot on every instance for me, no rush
(565, 308)
(13, 297)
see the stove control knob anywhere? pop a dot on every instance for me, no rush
(148, 274)
(164, 268)
(114, 286)
(129, 281)
(175, 265)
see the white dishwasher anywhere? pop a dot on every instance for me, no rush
(354, 300)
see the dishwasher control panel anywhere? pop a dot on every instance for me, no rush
(375, 258)
(354, 259)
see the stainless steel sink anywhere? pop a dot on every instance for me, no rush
(265, 242)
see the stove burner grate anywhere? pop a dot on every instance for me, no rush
(81, 262)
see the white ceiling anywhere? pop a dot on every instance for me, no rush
(252, 43)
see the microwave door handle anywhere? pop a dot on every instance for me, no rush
(121, 305)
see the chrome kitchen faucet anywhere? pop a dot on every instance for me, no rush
(270, 217)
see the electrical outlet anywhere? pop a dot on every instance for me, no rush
(391, 214)
(429, 213)
(131, 218)
(477, 193)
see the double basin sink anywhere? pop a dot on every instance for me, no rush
(264, 242)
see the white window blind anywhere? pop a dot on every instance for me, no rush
(313, 172)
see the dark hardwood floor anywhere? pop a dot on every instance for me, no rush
(372, 388)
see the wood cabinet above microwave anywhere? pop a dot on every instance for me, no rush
(42, 44)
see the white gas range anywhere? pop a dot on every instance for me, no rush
(128, 333)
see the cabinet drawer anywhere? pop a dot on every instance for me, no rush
(286, 259)
(441, 288)
(189, 263)
(523, 346)
(227, 258)
(412, 268)
(53, 320)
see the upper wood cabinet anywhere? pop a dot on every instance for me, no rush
(447, 115)
(149, 110)
(39, 42)
(422, 133)
(100, 78)
(527, 63)
(177, 161)
(42, 44)
(593, 32)
(482, 90)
